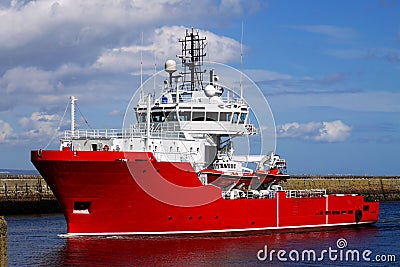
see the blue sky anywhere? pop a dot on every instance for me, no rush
(329, 70)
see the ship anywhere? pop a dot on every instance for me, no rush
(174, 167)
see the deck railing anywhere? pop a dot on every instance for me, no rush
(305, 193)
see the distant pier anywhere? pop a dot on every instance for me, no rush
(27, 194)
(373, 188)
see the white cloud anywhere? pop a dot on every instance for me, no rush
(52, 49)
(334, 131)
(117, 112)
(162, 44)
(30, 79)
(337, 33)
(37, 86)
(81, 21)
(40, 127)
(6, 132)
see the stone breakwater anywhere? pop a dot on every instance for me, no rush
(3, 242)
(24, 194)
(373, 188)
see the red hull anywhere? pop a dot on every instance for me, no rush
(113, 193)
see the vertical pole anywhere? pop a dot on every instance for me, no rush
(141, 72)
(192, 60)
(277, 195)
(241, 64)
(148, 121)
(73, 99)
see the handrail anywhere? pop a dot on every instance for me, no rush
(303, 193)
(96, 133)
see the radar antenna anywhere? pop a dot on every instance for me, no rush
(192, 57)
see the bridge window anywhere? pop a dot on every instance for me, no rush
(185, 116)
(142, 117)
(235, 117)
(198, 116)
(212, 116)
(225, 116)
(157, 116)
(171, 115)
(242, 118)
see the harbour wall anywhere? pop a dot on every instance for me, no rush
(27, 194)
(3, 242)
(373, 188)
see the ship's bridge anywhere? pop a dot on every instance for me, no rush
(203, 114)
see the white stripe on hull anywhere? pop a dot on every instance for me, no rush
(210, 231)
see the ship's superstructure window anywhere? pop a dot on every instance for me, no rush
(185, 116)
(157, 116)
(242, 118)
(235, 117)
(171, 115)
(198, 116)
(142, 117)
(225, 116)
(161, 116)
(212, 116)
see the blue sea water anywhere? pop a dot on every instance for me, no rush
(35, 241)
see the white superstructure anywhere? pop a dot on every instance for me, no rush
(192, 120)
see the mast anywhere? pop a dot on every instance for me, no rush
(241, 64)
(73, 99)
(148, 122)
(193, 53)
(141, 72)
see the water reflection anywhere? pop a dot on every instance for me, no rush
(184, 251)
